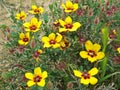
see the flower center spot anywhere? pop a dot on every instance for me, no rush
(69, 8)
(68, 26)
(92, 53)
(37, 10)
(37, 79)
(25, 39)
(86, 75)
(52, 41)
(33, 27)
(21, 17)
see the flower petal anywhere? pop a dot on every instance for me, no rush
(93, 71)
(83, 54)
(92, 59)
(29, 75)
(93, 80)
(22, 35)
(68, 20)
(75, 6)
(62, 23)
(56, 45)
(27, 24)
(21, 42)
(51, 36)
(30, 83)
(100, 55)
(44, 75)
(45, 39)
(77, 73)
(88, 45)
(62, 30)
(47, 45)
(69, 4)
(63, 5)
(41, 83)
(76, 25)
(97, 47)
(28, 35)
(59, 37)
(85, 81)
(37, 71)
(34, 21)
(34, 7)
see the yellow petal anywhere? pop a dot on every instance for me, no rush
(25, 43)
(41, 9)
(62, 30)
(47, 45)
(68, 11)
(59, 37)
(62, 23)
(88, 45)
(83, 54)
(76, 25)
(93, 71)
(75, 6)
(44, 75)
(68, 20)
(118, 49)
(92, 59)
(30, 83)
(84, 81)
(37, 71)
(77, 73)
(34, 21)
(22, 35)
(45, 39)
(39, 23)
(27, 24)
(96, 47)
(34, 7)
(29, 75)
(21, 42)
(56, 45)
(63, 5)
(28, 35)
(52, 36)
(100, 55)
(69, 4)
(41, 83)
(93, 80)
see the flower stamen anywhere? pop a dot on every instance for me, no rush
(92, 53)
(37, 78)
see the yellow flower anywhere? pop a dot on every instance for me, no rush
(68, 25)
(87, 77)
(118, 49)
(21, 15)
(24, 38)
(38, 78)
(64, 44)
(36, 10)
(92, 51)
(33, 25)
(70, 7)
(52, 40)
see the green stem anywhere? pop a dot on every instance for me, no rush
(108, 76)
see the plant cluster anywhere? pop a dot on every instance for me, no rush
(73, 46)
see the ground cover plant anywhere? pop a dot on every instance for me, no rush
(74, 45)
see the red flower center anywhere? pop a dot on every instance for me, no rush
(37, 79)
(52, 41)
(21, 17)
(36, 54)
(92, 53)
(68, 26)
(33, 27)
(69, 8)
(25, 39)
(86, 75)
(36, 10)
